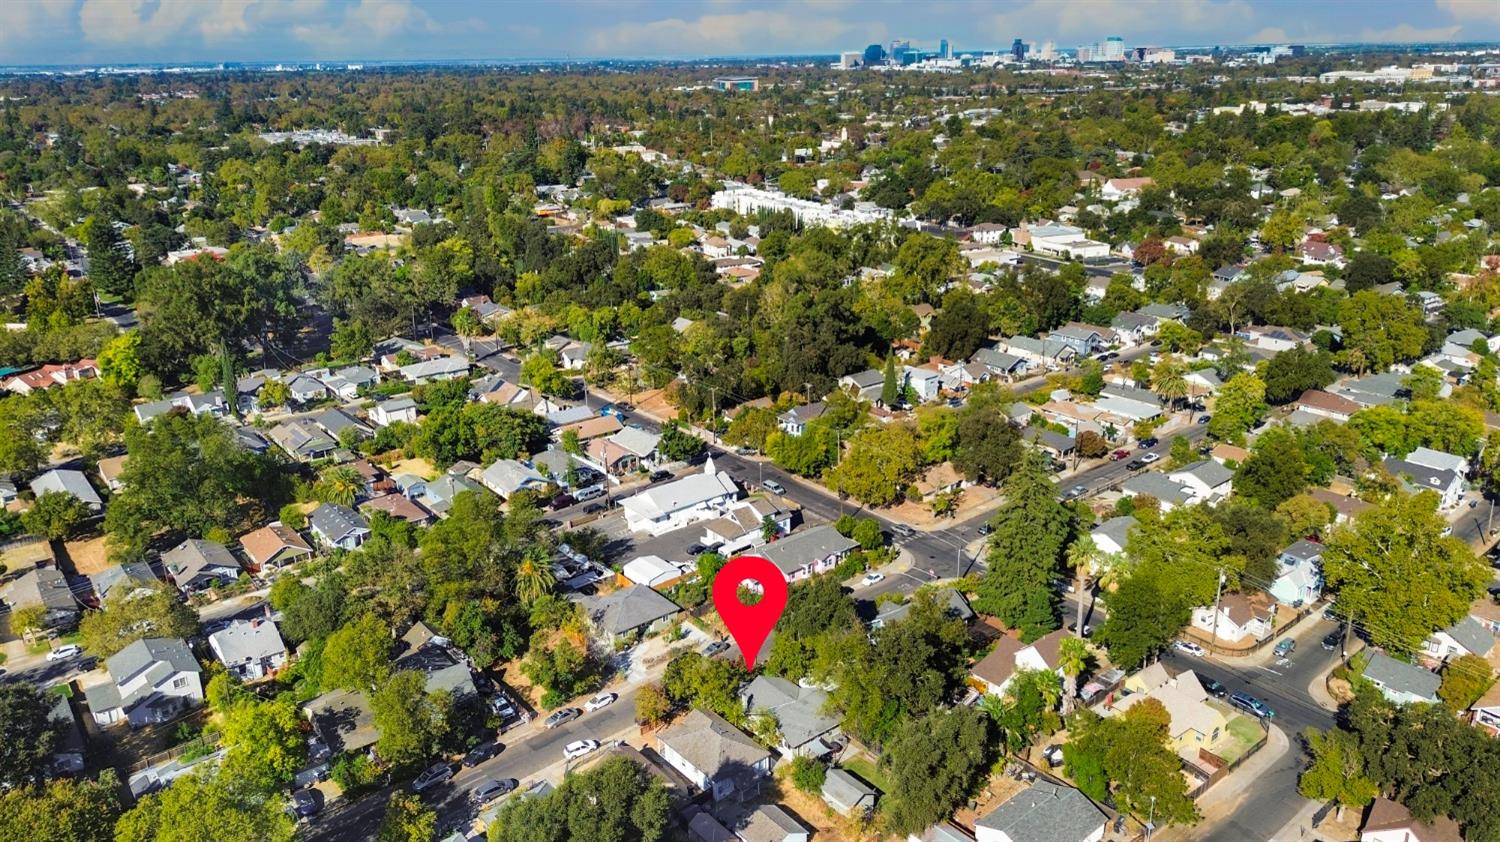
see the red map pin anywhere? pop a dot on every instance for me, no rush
(750, 625)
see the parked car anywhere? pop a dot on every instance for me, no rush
(1151, 442)
(599, 701)
(1122, 453)
(482, 752)
(562, 717)
(1286, 647)
(1075, 492)
(436, 773)
(871, 578)
(562, 501)
(1252, 705)
(697, 549)
(1333, 639)
(594, 509)
(578, 748)
(1189, 648)
(1203, 419)
(985, 529)
(1148, 458)
(1053, 755)
(64, 652)
(903, 530)
(1134, 465)
(1088, 630)
(660, 474)
(491, 789)
(773, 486)
(715, 648)
(307, 803)
(1213, 688)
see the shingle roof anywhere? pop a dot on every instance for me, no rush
(1402, 677)
(336, 522)
(246, 640)
(1045, 812)
(66, 481)
(193, 556)
(798, 710)
(802, 548)
(844, 790)
(141, 654)
(1473, 637)
(709, 743)
(629, 608)
(265, 543)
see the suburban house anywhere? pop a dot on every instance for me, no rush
(794, 421)
(249, 649)
(1465, 637)
(809, 552)
(71, 482)
(399, 507)
(943, 831)
(47, 588)
(1326, 405)
(1156, 485)
(715, 756)
(338, 526)
(336, 422)
(130, 577)
(1240, 618)
(1206, 481)
(770, 823)
(1006, 366)
(1115, 189)
(1041, 352)
(591, 428)
(441, 368)
(198, 565)
(798, 711)
(1401, 682)
(653, 571)
(304, 389)
(994, 672)
(151, 681)
(925, 382)
(507, 476)
(1299, 576)
(955, 606)
(272, 547)
(627, 612)
(396, 410)
(1197, 721)
(742, 527)
(1111, 535)
(1388, 821)
(1438, 460)
(673, 505)
(444, 669)
(110, 469)
(1084, 340)
(848, 794)
(1447, 485)
(867, 385)
(52, 374)
(210, 403)
(437, 495)
(302, 440)
(343, 721)
(1485, 712)
(1043, 812)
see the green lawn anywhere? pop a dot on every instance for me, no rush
(866, 769)
(1244, 732)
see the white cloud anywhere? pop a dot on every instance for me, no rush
(726, 33)
(1269, 35)
(1483, 11)
(30, 20)
(1406, 33)
(368, 23)
(1137, 19)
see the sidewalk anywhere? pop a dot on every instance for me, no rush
(1222, 799)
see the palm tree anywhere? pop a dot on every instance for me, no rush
(1072, 658)
(534, 579)
(467, 324)
(339, 485)
(1081, 555)
(1169, 380)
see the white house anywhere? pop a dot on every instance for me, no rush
(1389, 821)
(197, 565)
(742, 527)
(507, 476)
(1465, 637)
(714, 756)
(1010, 655)
(1401, 682)
(1448, 485)
(70, 482)
(1239, 617)
(1043, 811)
(338, 526)
(809, 552)
(386, 413)
(249, 649)
(152, 681)
(1299, 577)
(926, 382)
(1206, 480)
(1111, 535)
(673, 505)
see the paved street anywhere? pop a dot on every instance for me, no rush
(529, 751)
(1272, 799)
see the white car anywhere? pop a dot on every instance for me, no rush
(62, 653)
(1190, 648)
(871, 578)
(579, 748)
(435, 774)
(1148, 458)
(599, 701)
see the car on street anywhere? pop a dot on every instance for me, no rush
(716, 648)
(561, 501)
(1188, 647)
(1147, 443)
(1213, 688)
(773, 486)
(600, 701)
(903, 530)
(307, 803)
(594, 509)
(697, 549)
(482, 752)
(1332, 640)
(985, 529)
(1203, 419)
(1088, 630)
(871, 578)
(660, 474)
(1134, 465)
(1075, 492)
(1122, 453)
(1286, 647)
(489, 790)
(436, 773)
(562, 717)
(64, 652)
(1252, 705)
(1148, 458)
(578, 748)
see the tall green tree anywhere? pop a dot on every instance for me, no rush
(132, 613)
(209, 805)
(110, 266)
(411, 720)
(64, 810)
(623, 803)
(358, 656)
(1025, 552)
(934, 763)
(28, 735)
(1336, 772)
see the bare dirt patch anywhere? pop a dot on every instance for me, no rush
(89, 555)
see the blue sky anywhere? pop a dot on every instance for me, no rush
(88, 31)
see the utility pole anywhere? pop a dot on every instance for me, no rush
(1151, 819)
(1218, 592)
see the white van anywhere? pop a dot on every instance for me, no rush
(588, 493)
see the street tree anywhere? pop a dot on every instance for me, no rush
(208, 805)
(1336, 772)
(1025, 552)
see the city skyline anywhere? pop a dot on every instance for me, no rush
(60, 32)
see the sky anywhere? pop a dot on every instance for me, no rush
(150, 31)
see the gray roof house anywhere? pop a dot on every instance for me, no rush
(250, 649)
(507, 476)
(339, 526)
(152, 681)
(68, 481)
(1156, 484)
(943, 831)
(803, 554)
(343, 720)
(798, 711)
(125, 578)
(302, 439)
(197, 565)
(444, 670)
(715, 756)
(1111, 535)
(848, 794)
(1043, 812)
(336, 421)
(439, 493)
(629, 610)
(46, 587)
(304, 389)
(1205, 479)
(1401, 682)
(793, 422)
(771, 823)
(1465, 637)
